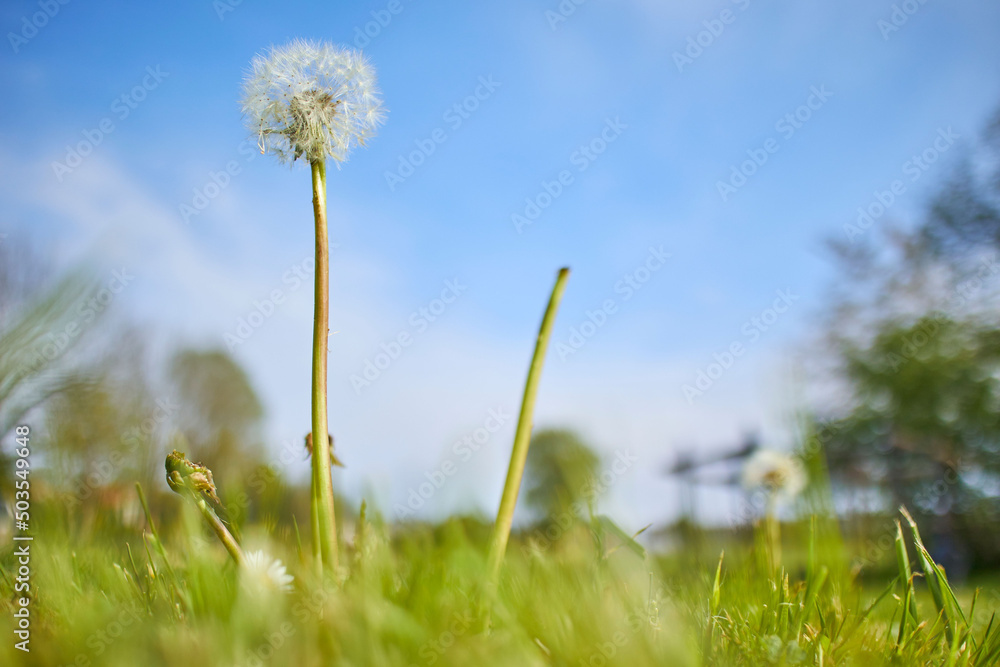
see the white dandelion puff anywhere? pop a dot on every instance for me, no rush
(311, 100)
(780, 474)
(262, 573)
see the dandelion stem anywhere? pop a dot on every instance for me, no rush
(773, 531)
(522, 437)
(323, 520)
(215, 523)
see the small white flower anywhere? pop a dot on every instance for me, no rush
(781, 474)
(262, 573)
(311, 100)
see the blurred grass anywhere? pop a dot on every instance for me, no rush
(412, 595)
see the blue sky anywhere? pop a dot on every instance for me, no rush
(555, 87)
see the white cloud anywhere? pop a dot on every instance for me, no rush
(438, 390)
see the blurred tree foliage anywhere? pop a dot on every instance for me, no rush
(39, 327)
(219, 413)
(913, 327)
(560, 474)
(95, 396)
(110, 427)
(36, 320)
(965, 216)
(928, 407)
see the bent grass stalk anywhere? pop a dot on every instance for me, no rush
(522, 437)
(323, 519)
(220, 530)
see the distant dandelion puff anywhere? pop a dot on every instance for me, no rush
(780, 474)
(311, 100)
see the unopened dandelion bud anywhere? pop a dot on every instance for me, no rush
(183, 475)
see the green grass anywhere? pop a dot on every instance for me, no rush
(414, 595)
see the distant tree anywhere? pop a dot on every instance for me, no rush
(560, 473)
(84, 395)
(40, 324)
(220, 413)
(84, 425)
(107, 428)
(913, 328)
(965, 214)
(927, 408)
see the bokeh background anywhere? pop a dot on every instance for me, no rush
(125, 166)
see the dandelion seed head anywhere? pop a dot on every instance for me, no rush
(778, 473)
(311, 100)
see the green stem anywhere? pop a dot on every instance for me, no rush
(522, 437)
(323, 519)
(216, 524)
(152, 528)
(149, 515)
(773, 528)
